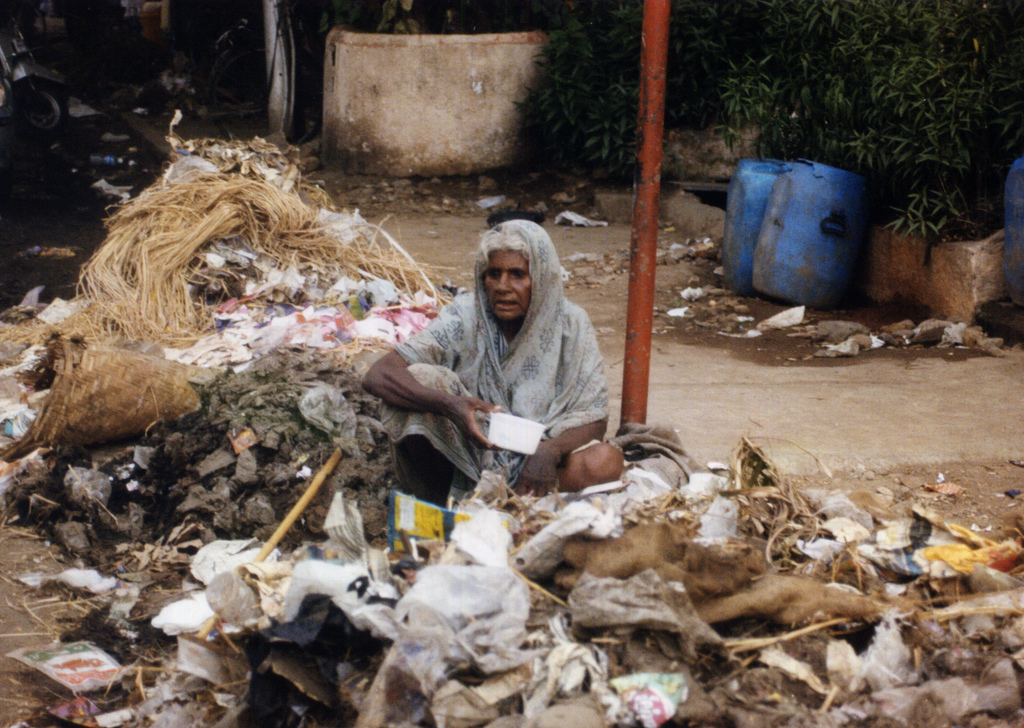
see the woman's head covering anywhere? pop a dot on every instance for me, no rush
(545, 268)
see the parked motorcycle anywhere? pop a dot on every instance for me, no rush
(40, 95)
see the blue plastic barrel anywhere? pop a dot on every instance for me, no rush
(1013, 247)
(745, 205)
(811, 236)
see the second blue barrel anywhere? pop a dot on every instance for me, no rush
(811, 236)
(745, 205)
(1013, 247)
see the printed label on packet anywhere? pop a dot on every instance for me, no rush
(78, 666)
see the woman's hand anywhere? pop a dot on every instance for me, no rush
(462, 411)
(389, 379)
(540, 471)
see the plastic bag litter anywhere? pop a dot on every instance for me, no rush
(88, 579)
(122, 193)
(325, 407)
(836, 504)
(719, 521)
(887, 662)
(224, 555)
(477, 614)
(846, 530)
(234, 600)
(568, 217)
(187, 166)
(344, 525)
(184, 615)
(349, 586)
(794, 668)
(702, 485)
(642, 601)
(86, 486)
(540, 556)
(455, 705)
(784, 319)
(60, 310)
(819, 548)
(994, 691)
(564, 673)
(483, 539)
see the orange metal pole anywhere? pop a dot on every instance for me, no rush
(644, 238)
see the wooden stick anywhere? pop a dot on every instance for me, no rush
(538, 587)
(299, 507)
(757, 643)
(293, 515)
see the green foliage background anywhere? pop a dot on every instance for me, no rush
(925, 98)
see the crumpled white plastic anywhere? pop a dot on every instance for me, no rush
(540, 556)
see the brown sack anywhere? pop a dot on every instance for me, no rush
(101, 394)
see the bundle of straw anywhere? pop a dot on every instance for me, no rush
(138, 280)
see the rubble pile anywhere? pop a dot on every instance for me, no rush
(231, 469)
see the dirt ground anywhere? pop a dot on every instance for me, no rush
(55, 213)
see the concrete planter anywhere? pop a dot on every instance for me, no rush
(426, 105)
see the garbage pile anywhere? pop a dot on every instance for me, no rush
(835, 338)
(722, 598)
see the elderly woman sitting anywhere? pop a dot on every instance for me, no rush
(515, 344)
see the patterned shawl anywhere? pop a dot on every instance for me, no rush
(551, 372)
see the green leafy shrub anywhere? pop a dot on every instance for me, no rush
(446, 16)
(923, 98)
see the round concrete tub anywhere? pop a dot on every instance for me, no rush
(426, 105)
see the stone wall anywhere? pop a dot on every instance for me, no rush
(952, 279)
(703, 155)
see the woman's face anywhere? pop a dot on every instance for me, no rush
(507, 282)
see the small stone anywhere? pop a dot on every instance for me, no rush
(131, 524)
(930, 331)
(246, 468)
(217, 460)
(863, 341)
(992, 347)
(904, 325)
(73, 536)
(973, 335)
(10, 352)
(890, 340)
(563, 198)
(259, 510)
(845, 349)
(226, 518)
(485, 183)
(835, 332)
